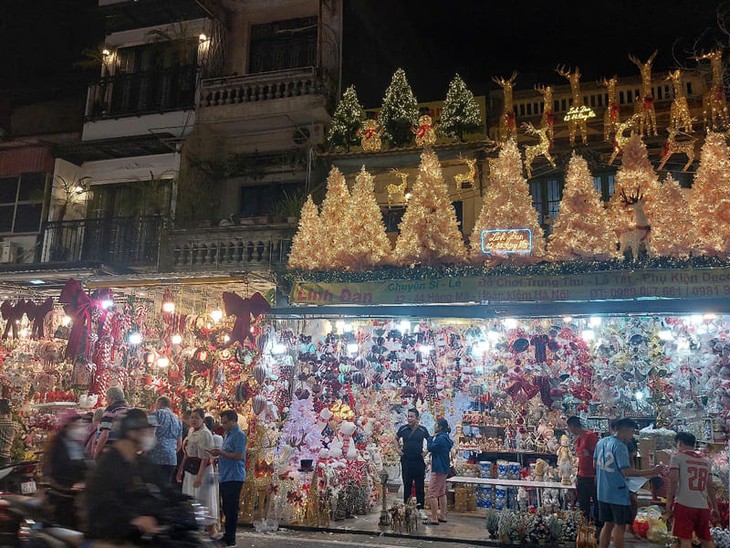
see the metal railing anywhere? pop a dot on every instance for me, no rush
(142, 92)
(121, 241)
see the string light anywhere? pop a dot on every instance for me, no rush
(216, 315)
(168, 307)
(176, 339)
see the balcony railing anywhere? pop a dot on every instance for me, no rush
(142, 93)
(263, 86)
(232, 247)
(118, 241)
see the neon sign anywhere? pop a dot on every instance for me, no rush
(507, 241)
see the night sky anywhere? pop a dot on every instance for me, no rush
(41, 39)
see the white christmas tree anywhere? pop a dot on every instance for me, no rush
(672, 229)
(334, 219)
(306, 247)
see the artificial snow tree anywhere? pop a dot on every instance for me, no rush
(709, 204)
(399, 112)
(306, 247)
(508, 205)
(334, 218)
(346, 121)
(461, 111)
(429, 231)
(672, 230)
(582, 230)
(368, 242)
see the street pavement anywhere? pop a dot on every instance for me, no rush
(312, 539)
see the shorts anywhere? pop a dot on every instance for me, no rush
(437, 485)
(688, 520)
(614, 513)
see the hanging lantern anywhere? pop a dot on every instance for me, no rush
(260, 373)
(358, 377)
(360, 362)
(345, 367)
(258, 404)
(82, 372)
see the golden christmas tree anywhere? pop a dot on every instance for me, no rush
(429, 231)
(582, 230)
(334, 219)
(306, 246)
(508, 205)
(369, 245)
(672, 230)
(710, 200)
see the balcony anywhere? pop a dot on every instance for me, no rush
(264, 86)
(116, 241)
(148, 92)
(228, 248)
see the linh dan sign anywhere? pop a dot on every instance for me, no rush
(507, 241)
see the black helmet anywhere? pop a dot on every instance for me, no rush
(134, 419)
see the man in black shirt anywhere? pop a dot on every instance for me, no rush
(409, 445)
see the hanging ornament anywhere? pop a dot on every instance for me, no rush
(260, 373)
(370, 134)
(258, 404)
(425, 133)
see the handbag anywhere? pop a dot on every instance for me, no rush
(192, 465)
(451, 473)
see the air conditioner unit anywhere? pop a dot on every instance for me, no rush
(312, 134)
(8, 252)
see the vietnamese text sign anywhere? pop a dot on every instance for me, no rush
(596, 286)
(579, 113)
(507, 241)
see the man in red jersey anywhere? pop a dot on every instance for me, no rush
(585, 483)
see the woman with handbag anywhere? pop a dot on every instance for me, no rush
(199, 481)
(439, 445)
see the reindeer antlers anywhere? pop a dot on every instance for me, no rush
(565, 72)
(709, 55)
(502, 82)
(635, 60)
(633, 198)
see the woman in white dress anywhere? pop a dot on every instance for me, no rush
(210, 424)
(202, 486)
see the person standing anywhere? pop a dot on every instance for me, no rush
(169, 440)
(439, 445)
(409, 445)
(231, 471)
(8, 431)
(116, 408)
(611, 459)
(690, 494)
(585, 483)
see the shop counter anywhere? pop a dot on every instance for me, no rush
(538, 486)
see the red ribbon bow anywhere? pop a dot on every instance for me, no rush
(78, 307)
(41, 311)
(12, 314)
(613, 111)
(243, 309)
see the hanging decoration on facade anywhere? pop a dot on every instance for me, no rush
(425, 132)
(578, 124)
(644, 105)
(507, 120)
(370, 136)
(612, 116)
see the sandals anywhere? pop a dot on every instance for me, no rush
(443, 520)
(429, 522)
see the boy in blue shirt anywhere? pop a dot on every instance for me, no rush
(611, 458)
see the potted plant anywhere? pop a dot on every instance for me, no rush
(289, 207)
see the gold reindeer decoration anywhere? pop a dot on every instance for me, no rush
(540, 149)
(548, 113)
(673, 146)
(397, 193)
(612, 116)
(620, 139)
(714, 105)
(679, 117)
(574, 125)
(644, 105)
(507, 121)
(466, 180)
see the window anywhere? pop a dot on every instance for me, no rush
(546, 195)
(621, 97)
(604, 183)
(563, 105)
(261, 200)
(21, 202)
(689, 88)
(140, 198)
(392, 217)
(283, 45)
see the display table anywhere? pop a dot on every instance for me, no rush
(537, 485)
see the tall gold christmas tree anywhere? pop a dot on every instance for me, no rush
(710, 200)
(508, 204)
(334, 218)
(582, 230)
(369, 245)
(672, 229)
(306, 246)
(429, 232)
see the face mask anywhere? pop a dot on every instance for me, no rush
(148, 442)
(76, 433)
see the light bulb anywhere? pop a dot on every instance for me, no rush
(696, 319)
(65, 321)
(639, 395)
(665, 335)
(494, 336)
(510, 323)
(347, 328)
(709, 316)
(352, 348)
(567, 319)
(163, 361)
(176, 339)
(425, 349)
(340, 325)
(588, 335)
(278, 348)
(595, 321)
(135, 338)
(226, 338)
(216, 315)
(202, 37)
(168, 307)
(106, 304)
(405, 326)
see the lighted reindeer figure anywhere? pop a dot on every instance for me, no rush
(397, 193)
(611, 118)
(461, 180)
(714, 105)
(548, 113)
(644, 105)
(540, 149)
(507, 121)
(620, 138)
(634, 238)
(679, 117)
(574, 125)
(678, 147)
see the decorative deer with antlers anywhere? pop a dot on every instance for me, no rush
(580, 124)
(540, 149)
(678, 147)
(397, 193)
(619, 139)
(679, 117)
(612, 116)
(645, 104)
(466, 180)
(714, 105)
(634, 238)
(507, 121)
(548, 113)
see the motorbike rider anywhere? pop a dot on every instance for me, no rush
(122, 501)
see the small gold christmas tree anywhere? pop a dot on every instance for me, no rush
(306, 246)
(429, 231)
(582, 229)
(334, 219)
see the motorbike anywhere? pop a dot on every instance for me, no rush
(18, 477)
